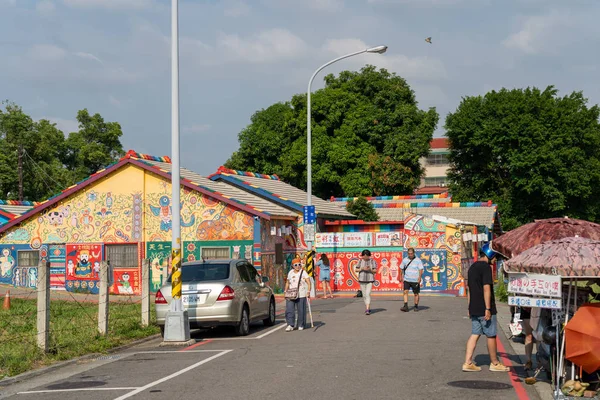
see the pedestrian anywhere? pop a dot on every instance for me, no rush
(366, 269)
(297, 289)
(525, 317)
(325, 275)
(482, 311)
(412, 272)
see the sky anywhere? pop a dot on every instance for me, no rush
(237, 57)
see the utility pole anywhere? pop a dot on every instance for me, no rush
(20, 171)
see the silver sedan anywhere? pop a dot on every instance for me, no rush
(220, 292)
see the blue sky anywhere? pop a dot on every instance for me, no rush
(112, 57)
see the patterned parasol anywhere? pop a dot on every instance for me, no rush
(568, 257)
(525, 237)
(583, 338)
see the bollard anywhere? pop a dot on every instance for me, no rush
(103, 300)
(43, 305)
(145, 292)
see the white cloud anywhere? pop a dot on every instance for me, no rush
(47, 52)
(111, 4)
(196, 128)
(65, 125)
(267, 46)
(424, 68)
(88, 56)
(236, 9)
(325, 5)
(45, 7)
(537, 33)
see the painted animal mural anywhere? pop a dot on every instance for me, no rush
(164, 211)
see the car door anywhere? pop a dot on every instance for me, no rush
(262, 292)
(245, 290)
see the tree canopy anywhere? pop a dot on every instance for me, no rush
(368, 135)
(362, 209)
(532, 152)
(51, 161)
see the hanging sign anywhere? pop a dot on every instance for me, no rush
(523, 301)
(535, 284)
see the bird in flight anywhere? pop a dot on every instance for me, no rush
(428, 40)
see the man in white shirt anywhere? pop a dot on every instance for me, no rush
(412, 272)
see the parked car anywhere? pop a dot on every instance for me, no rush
(220, 292)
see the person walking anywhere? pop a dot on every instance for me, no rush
(325, 275)
(297, 289)
(482, 311)
(412, 273)
(366, 269)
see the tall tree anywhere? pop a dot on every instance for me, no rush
(96, 145)
(368, 137)
(362, 209)
(534, 153)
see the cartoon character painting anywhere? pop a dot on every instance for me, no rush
(7, 262)
(82, 259)
(157, 272)
(338, 272)
(70, 268)
(394, 270)
(124, 286)
(384, 271)
(163, 211)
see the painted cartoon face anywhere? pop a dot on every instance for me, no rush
(70, 263)
(164, 201)
(435, 259)
(338, 265)
(55, 218)
(84, 256)
(394, 261)
(126, 277)
(5, 252)
(384, 262)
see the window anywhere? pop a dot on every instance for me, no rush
(214, 253)
(28, 258)
(436, 181)
(203, 272)
(253, 273)
(437, 159)
(243, 271)
(122, 255)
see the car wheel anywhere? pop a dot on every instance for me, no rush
(270, 320)
(243, 327)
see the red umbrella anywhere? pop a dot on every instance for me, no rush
(582, 334)
(525, 237)
(568, 257)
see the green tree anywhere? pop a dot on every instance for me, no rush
(362, 209)
(368, 137)
(532, 152)
(96, 145)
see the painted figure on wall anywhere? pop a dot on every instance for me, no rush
(81, 259)
(158, 253)
(25, 277)
(338, 272)
(164, 212)
(384, 271)
(7, 262)
(394, 270)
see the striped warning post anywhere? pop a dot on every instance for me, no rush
(176, 269)
(310, 263)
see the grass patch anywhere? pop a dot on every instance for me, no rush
(73, 332)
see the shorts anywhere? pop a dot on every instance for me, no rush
(479, 326)
(416, 288)
(324, 276)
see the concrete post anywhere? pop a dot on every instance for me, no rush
(43, 305)
(146, 292)
(103, 300)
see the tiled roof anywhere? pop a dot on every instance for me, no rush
(226, 190)
(439, 143)
(431, 190)
(16, 207)
(423, 198)
(274, 189)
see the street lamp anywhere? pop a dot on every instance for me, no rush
(377, 50)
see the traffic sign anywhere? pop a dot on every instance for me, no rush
(310, 216)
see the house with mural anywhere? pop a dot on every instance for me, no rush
(444, 234)
(122, 215)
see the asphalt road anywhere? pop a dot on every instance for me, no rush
(347, 355)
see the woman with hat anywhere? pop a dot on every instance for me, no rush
(297, 289)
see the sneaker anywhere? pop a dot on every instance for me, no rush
(289, 328)
(499, 367)
(301, 328)
(416, 307)
(472, 367)
(405, 308)
(368, 312)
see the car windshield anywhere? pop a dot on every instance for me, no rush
(203, 272)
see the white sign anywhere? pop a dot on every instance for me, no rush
(329, 240)
(523, 301)
(358, 239)
(309, 232)
(387, 239)
(535, 284)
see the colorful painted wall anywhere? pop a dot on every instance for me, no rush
(290, 235)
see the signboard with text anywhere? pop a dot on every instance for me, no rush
(535, 284)
(522, 301)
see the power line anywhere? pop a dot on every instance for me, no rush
(59, 186)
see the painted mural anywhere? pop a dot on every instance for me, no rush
(434, 264)
(159, 254)
(25, 277)
(58, 270)
(126, 281)
(8, 261)
(83, 267)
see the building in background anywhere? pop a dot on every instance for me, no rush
(436, 167)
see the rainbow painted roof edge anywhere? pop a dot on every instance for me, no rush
(405, 197)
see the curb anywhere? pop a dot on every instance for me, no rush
(61, 364)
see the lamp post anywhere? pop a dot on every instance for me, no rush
(177, 327)
(377, 50)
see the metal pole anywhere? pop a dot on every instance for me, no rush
(309, 130)
(176, 304)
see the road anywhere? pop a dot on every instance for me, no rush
(347, 355)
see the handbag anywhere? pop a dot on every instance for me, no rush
(292, 294)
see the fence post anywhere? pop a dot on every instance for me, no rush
(103, 300)
(43, 305)
(145, 292)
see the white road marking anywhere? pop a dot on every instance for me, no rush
(179, 351)
(78, 390)
(271, 331)
(174, 375)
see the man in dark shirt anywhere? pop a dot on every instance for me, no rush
(482, 311)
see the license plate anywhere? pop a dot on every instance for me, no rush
(193, 299)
